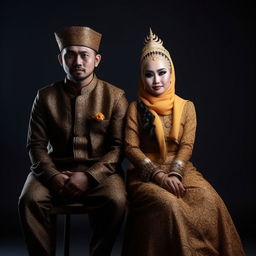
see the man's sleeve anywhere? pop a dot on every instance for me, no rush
(37, 143)
(109, 163)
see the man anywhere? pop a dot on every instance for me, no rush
(75, 146)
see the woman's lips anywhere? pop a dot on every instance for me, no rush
(156, 88)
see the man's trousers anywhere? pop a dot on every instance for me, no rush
(106, 208)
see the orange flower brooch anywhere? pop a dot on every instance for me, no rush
(98, 116)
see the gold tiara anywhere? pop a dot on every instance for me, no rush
(154, 46)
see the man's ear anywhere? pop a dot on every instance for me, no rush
(60, 59)
(97, 60)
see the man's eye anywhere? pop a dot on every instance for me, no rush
(69, 54)
(148, 75)
(84, 55)
(161, 73)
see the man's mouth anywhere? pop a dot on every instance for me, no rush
(78, 69)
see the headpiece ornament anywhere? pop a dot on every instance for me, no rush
(153, 47)
(75, 35)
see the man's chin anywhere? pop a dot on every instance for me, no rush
(78, 78)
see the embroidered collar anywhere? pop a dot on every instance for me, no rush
(85, 90)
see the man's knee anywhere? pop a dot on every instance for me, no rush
(116, 194)
(28, 200)
(33, 194)
(118, 199)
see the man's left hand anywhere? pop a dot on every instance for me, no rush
(77, 184)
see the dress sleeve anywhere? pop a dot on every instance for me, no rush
(144, 166)
(187, 140)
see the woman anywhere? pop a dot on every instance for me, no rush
(173, 210)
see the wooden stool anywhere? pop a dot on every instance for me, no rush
(68, 209)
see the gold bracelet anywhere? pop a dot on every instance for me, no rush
(147, 169)
(178, 166)
(172, 173)
(156, 172)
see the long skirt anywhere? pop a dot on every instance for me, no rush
(160, 224)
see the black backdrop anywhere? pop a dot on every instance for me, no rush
(212, 44)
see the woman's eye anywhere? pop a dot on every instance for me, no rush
(148, 75)
(161, 73)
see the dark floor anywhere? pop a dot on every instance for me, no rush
(14, 246)
(79, 248)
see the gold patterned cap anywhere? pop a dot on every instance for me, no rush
(154, 46)
(75, 35)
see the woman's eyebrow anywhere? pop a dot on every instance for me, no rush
(158, 70)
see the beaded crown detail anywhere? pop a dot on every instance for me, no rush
(154, 46)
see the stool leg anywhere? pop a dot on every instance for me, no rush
(67, 235)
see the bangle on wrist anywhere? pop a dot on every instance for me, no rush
(178, 167)
(147, 169)
(155, 173)
(178, 175)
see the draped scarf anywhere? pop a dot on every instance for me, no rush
(164, 104)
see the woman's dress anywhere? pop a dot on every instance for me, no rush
(158, 222)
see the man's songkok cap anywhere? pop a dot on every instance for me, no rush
(80, 36)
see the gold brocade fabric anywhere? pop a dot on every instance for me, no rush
(62, 122)
(76, 35)
(160, 224)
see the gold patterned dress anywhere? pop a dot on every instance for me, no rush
(159, 223)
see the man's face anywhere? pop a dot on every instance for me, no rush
(79, 62)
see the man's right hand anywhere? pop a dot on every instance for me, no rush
(58, 181)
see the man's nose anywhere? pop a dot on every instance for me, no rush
(78, 60)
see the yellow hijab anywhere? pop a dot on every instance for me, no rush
(164, 104)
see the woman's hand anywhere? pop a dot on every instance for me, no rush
(174, 185)
(170, 183)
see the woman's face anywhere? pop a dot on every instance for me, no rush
(156, 76)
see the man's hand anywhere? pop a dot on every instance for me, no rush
(172, 184)
(77, 183)
(58, 181)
